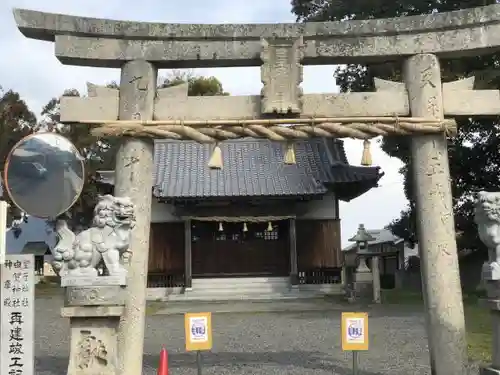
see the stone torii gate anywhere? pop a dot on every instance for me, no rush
(416, 107)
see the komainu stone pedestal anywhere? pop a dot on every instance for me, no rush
(494, 306)
(487, 218)
(94, 315)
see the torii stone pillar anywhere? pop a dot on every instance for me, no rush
(435, 222)
(133, 178)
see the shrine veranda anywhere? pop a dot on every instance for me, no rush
(416, 107)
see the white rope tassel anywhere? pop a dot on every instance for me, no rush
(215, 161)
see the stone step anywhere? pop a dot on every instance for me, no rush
(242, 289)
(242, 293)
(189, 296)
(215, 282)
(239, 288)
(237, 291)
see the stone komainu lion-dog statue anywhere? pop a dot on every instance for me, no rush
(107, 240)
(487, 218)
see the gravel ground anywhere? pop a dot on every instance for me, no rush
(263, 343)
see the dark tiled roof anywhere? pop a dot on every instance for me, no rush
(252, 167)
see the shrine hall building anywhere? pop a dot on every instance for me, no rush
(257, 223)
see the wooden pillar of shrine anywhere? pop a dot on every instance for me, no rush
(294, 271)
(188, 259)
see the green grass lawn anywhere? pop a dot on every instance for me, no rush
(477, 321)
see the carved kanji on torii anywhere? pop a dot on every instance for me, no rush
(416, 107)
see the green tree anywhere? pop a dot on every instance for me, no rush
(197, 85)
(474, 156)
(16, 122)
(99, 154)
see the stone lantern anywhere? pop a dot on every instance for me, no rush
(363, 279)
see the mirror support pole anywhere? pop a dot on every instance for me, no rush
(134, 170)
(3, 230)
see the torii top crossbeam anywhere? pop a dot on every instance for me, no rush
(168, 45)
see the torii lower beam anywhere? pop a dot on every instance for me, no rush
(184, 107)
(391, 99)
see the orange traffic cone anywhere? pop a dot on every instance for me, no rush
(163, 365)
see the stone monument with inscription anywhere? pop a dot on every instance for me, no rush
(17, 315)
(416, 107)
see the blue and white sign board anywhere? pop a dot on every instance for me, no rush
(354, 331)
(198, 329)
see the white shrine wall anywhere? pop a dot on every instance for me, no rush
(318, 209)
(163, 213)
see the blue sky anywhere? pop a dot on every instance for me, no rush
(30, 68)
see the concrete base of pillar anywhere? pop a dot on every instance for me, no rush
(363, 284)
(489, 371)
(364, 290)
(363, 277)
(494, 306)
